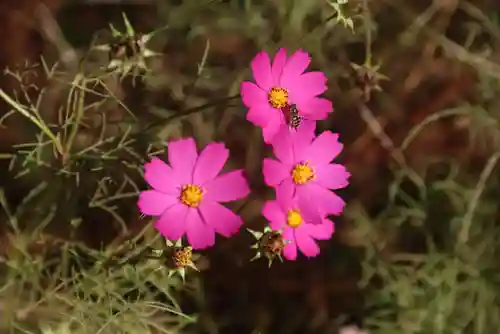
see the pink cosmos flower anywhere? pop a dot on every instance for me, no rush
(304, 169)
(298, 231)
(186, 194)
(280, 84)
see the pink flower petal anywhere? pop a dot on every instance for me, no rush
(199, 234)
(323, 231)
(278, 64)
(260, 114)
(300, 142)
(305, 89)
(226, 187)
(332, 176)
(290, 250)
(309, 210)
(223, 220)
(273, 213)
(272, 127)
(252, 95)
(284, 128)
(301, 145)
(326, 201)
(313, 84)
(306, 244)
(294, 67)
(306, 129)
(154, 203)
(261, 68)
(172, 223)
(287, 198)
(161, 177)
(274, 172)
(288, 144)
(182, 156)
(285, 193)
(323, 149)
(282, 148)
(210, 163)
(315, 108)
(304, 133)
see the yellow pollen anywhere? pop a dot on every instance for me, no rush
(294, 219)
(302, 173)
(278, 97)
(183, 257)
(191, 195)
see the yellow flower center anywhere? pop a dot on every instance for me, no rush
(191, 195)
(183, 257)
(278, 97)
(294, 219)
(302, 173)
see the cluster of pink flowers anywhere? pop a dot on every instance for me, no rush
(187, 193)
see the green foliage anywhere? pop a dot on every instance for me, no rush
(84, 291)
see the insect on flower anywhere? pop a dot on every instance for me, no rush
(270, 244)
(292, 116)
(279, 83)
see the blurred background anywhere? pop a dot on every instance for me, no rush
(415, 87)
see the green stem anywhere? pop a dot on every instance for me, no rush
(368, 41)
(205, 106)
(79, 110)
(194, 110)
(38, 122)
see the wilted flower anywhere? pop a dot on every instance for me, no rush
(304, 170)
(186, 194)
(280, 85)
(270, 244)
(128, 51)
(368, 78)
(285, 214)
(179, 258)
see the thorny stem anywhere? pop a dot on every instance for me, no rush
(38, 122)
